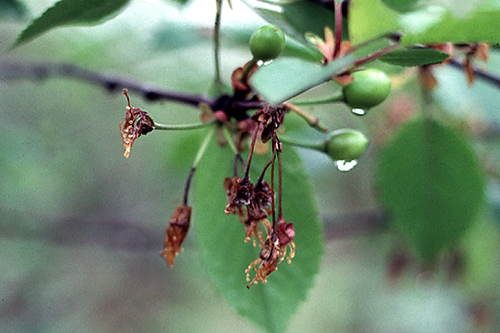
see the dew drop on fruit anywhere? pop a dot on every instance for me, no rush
(358, 112)
(345, 166)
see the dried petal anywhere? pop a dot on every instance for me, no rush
(175, 234)
(136, 123)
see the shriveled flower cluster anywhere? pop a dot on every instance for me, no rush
(253, 203)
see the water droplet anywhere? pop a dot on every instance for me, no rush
(358, 112)
(345, 166)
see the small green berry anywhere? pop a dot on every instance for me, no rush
(369, 88)
(267, 42)
(345, 145)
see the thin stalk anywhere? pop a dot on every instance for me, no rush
(311, 120)
(199, 155)
(183, 127)
(229, 140)
(337, 97)
(338, 28)
(377, 54)
(273, 199)
(316, 145)
(250, 154)
(280, 187)
(217, 79)
(249, 67)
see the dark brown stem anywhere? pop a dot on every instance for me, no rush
(338, 28)
(264, 171)
(237, 158)
(250, 154)
(15, 70)
(188, 185)
(273, 197)
(280, 186)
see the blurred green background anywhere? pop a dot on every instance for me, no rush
(81, 226)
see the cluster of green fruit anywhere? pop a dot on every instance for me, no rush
(368, 88)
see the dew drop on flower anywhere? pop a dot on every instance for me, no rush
(345, 166)
(358, 112)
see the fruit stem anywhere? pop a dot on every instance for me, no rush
(311, 120)
(197, 159)
(316, 145)
(248, 68)
(337, 97)
(184, 126)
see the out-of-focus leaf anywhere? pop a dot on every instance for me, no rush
(428, 22)
(294, 17)
(414, 56)
(179, 2)
(431, 185)
(288, 77)
(296, 49)
(12, 8)
(176, 35)
(401, 6)
(71, 12)
(226, 256)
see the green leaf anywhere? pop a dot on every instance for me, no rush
(431, 185)
(285, 78)
(401, 6)
(294, 17)
(428, 22)
(12, 8)
(71, 12)
(220, 239)
(414, 56)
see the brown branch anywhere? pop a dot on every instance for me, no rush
(18, 69)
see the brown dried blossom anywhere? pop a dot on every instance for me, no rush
(175, 234)
(271, 117)
(239, 192)
(274, 250)
(269, 258)
(136, 123)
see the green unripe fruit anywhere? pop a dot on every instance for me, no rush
(369, 88)
(346, 145)
(267, 42)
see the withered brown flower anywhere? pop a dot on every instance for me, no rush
(269, 258)
(286, 234)
(175, 234)
(239, 192)
(271, 117)
(136, 123)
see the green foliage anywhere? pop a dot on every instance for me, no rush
(71, 12)
(12, 8)
(287, 77)
(414, 56)
(457, 21)
(294, 17)
(220, 239)
(429, 181)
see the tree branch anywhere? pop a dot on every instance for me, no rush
(16, 69)
(491, 78)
